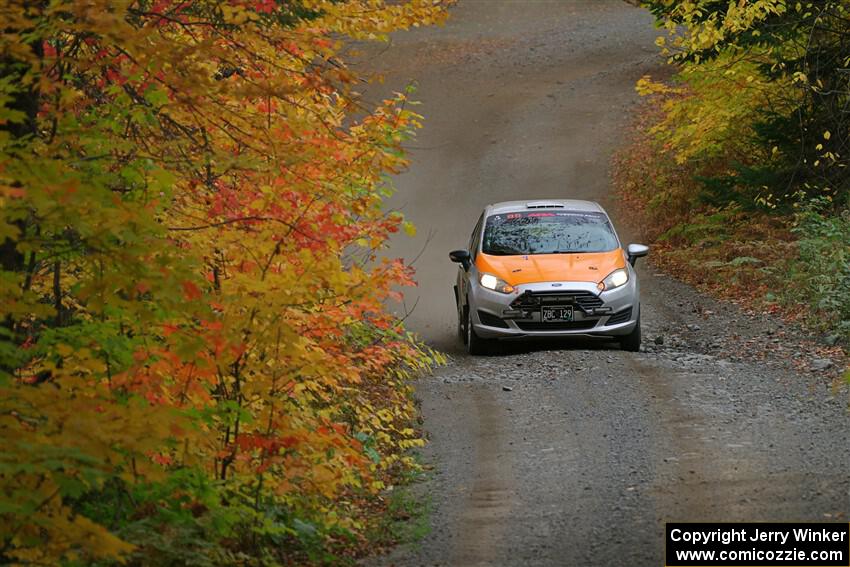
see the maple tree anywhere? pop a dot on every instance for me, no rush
(195, 356)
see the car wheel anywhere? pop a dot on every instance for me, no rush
(461, 323)
(631, 342)
(475, 345)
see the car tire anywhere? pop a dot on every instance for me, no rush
(475, 345)
(461, 323)
(631, 342)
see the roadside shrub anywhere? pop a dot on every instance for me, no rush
(821, 273)
(733, 250)
(738, 164)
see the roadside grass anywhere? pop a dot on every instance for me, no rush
(406, 516)
(400, 515)
(795, 266)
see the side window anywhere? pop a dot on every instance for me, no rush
(476, 236)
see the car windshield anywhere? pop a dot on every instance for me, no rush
(548, 233)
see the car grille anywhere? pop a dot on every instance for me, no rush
(620, 317)
(564, 326)
(491, 320)
(584, 300)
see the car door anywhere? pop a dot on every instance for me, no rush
(463, 275)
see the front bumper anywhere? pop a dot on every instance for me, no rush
(518, 315)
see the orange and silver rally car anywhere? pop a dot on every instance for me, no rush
(546, 269)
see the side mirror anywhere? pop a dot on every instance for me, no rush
(461, 257)
(635, 251)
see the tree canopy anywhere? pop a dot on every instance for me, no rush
(195, 357)
(795, 60)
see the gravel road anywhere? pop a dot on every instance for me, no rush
(577, 453)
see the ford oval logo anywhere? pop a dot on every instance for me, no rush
(556, 285)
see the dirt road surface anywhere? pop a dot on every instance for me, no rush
(592, 449)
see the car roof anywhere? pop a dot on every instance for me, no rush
(566, 205)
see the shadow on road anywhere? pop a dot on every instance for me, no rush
(526, 346)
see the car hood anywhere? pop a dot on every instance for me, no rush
(534, 268)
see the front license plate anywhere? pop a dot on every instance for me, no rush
(556, 314)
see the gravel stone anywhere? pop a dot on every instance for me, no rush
(820, 364)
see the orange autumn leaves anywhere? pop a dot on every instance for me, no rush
(193, 220)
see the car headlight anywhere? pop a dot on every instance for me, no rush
(615, 279)
(496, 284)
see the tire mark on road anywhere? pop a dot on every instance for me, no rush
(488, 507)
(713, 469)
